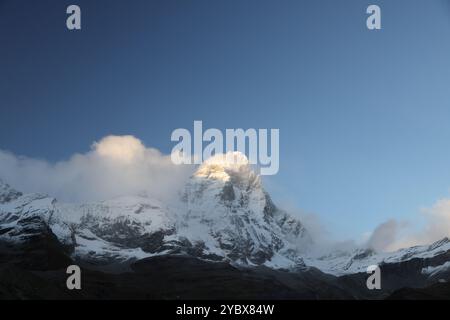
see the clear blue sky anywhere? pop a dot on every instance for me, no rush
(363, 115)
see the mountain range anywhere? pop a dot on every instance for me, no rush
(223, 237)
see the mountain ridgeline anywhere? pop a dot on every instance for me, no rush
(224, 230)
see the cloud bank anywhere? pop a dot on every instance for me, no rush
(115, 165)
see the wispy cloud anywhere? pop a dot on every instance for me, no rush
(392, 235)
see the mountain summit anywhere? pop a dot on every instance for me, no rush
(235, 217)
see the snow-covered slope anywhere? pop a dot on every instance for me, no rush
(341, 262)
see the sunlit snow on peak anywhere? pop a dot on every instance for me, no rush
(220, 166)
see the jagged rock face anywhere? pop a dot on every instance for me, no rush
(224, 215)
(228, 205)
(26, 235)
(24, 216)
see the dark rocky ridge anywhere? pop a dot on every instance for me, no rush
(36, 270)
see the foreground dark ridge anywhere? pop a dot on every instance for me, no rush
(184, 277)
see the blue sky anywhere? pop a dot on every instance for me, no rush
(363, 115)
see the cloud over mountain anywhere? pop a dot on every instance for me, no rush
(115, 165)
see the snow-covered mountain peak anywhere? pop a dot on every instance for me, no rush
(234, 216)
(226, 179)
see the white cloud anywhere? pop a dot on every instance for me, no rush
(393, 235)
(438, 218)
(116, 165)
